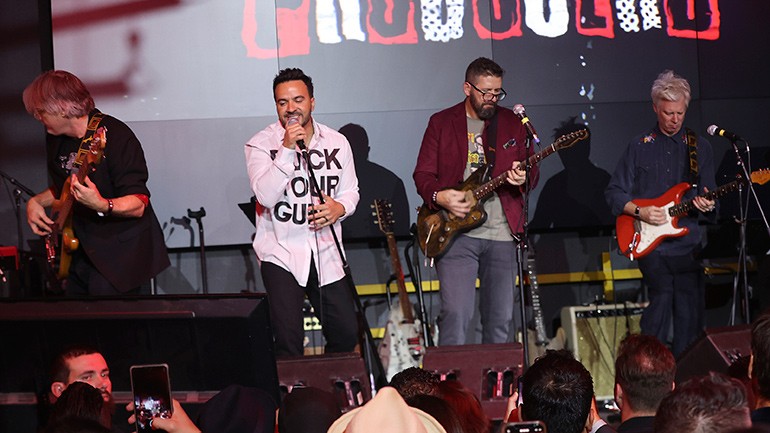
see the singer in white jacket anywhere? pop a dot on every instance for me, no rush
(294, 242)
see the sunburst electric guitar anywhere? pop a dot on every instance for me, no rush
(403, 345)
(61, 242)
(436, 229)
(637, 238)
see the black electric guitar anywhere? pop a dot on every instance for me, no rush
(403, 345)
(61, 242)
(537, 341)
(436, 229)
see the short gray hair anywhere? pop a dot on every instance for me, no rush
(670, 87)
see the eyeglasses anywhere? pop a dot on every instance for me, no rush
(489, 96)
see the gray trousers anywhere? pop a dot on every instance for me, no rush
(494, 263)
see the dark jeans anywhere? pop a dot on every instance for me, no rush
(85, 280)
(677, 295)
(333, 304)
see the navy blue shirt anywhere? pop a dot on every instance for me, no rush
(650, 166)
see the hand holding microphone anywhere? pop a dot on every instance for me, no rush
(518, 110)
(293, 131)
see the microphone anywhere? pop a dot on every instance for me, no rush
(715, 130)
(292, 121)
(518, 110)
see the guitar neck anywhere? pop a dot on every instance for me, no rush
(536, 308)
(688, 205)
(483, 191)
(66, 201)
(395, 263)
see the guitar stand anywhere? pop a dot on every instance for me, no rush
(416, 277)
(198, 216)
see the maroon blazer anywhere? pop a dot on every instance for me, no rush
(444, 155)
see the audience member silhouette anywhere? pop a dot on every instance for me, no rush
(439, 409)
(712, 403)
(415, 381)
(466, 405)
(759, 368)
(557, 390)
(644, 375)
(308, 410)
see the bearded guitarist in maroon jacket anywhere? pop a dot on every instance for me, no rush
(457, 141)
(121, 244)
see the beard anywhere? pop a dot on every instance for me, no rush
(485, 110)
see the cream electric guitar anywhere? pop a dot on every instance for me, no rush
(403, 345)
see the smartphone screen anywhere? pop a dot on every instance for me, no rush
(525, 427)
(152, 394)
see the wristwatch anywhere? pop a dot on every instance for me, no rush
(637, 212)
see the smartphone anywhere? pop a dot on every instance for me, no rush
(151, 388)
(525, 427)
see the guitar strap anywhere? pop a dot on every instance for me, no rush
(93, 124)
(490, 147)
(692, 149)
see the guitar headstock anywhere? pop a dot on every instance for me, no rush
(383, 213)
(760, 177)
(567, 140)
(98, 143)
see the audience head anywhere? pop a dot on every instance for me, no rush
(415, 381)
(557, 390)
(80, 364)
(385, 413)
(307, 410)
(644, 375)
(80, 400)
(709, 404)
(238, 409)
(467, 406)
(439, 409)
(759, 367)
(75, 425)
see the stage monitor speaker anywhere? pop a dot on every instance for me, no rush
(342, 374)
(715, 350)
(490, 371)
(208, 341)
(594, 333)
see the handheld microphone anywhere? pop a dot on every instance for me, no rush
(715, 130)
(292, 121)
(518, 110)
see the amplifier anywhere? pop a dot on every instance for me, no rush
(594, 333)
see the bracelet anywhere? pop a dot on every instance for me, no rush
(110, 206)
(435, 196)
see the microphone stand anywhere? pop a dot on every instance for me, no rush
(18, 190)
(742, 273)
(522, 247)
(376, 371)
(198, 217)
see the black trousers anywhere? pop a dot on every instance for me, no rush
(333, 304)
(676, 290)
